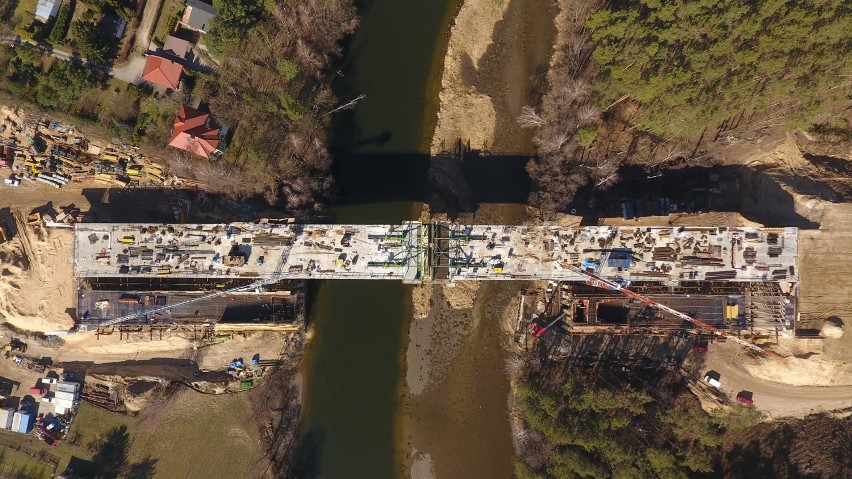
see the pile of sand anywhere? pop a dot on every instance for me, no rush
(461, 295)
(104, 349)
(36, 282)
(831, 330)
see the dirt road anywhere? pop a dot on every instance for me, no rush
(146, 26)
(776, 399)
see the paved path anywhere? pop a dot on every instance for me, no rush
(130, 72)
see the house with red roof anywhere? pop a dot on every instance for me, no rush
(163, 72)
(194, 132)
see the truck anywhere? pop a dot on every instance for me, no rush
(38, 391)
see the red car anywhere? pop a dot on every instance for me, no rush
(745, 397)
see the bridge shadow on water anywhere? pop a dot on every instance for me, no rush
(451, 184)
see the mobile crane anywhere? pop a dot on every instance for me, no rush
(598, 282)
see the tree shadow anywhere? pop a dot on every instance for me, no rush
(144, 469)
(110, 459)
(306, 457)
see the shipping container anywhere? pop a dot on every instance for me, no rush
(68, 386)
(16, 421)
(26, 422)
(6, 415)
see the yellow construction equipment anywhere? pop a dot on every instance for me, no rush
(15, 345)
(34, 219)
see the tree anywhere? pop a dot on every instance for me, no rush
(63, 85)
(232, 20)
(60, 25)
(89, 41)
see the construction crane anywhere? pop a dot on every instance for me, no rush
(598, 282)
(276, 277)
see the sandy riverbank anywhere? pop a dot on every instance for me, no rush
(495, 62)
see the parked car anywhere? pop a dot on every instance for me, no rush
(48, 380)
(13, 181)
(745, 397)
(713, 378)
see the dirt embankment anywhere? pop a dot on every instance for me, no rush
(495, 62)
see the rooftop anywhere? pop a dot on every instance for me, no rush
(163, 72)
(198, 15)
(46, 9)
(176, 46)
(192, 132)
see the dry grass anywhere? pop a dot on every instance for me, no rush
(216, 437)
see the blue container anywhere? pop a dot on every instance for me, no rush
(26, 422)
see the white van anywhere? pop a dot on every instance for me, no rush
(713, 378)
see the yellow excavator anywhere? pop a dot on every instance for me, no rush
(15, 345)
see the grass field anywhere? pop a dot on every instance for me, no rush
(14, 463)
(216, 435)
(24, 12)
(171, 9)
(189, 435)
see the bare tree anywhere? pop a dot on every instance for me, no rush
(588, 114)
(528, 118)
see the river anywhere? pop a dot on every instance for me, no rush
(354, 365)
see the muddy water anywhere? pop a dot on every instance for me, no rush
(354, 366)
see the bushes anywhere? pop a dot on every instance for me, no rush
(588, 428)
(63, 85)
(60, 26)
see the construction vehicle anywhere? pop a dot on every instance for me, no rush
(598, 282)
(15, 345)
(713, 378)
(34, 219)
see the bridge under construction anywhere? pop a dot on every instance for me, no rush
(155, 274)
(415, 252)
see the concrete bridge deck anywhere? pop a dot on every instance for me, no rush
(415, 252)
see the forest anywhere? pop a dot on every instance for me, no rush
(675, 73)
(572, 422)
(273, 88)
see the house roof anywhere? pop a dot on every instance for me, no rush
(175, 46)
(160, 71)
(198, 15)
(192, 133)
(46, 9)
